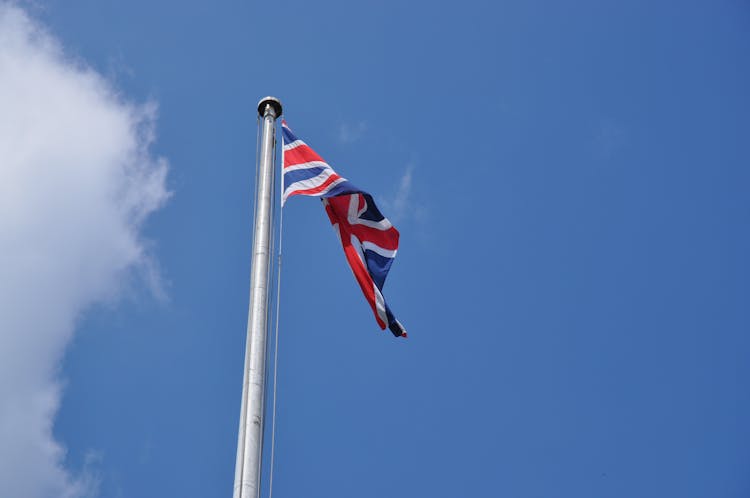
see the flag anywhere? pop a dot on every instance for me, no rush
(369, 240)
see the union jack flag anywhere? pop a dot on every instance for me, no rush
(369, 240)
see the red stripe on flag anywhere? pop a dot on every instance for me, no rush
(387, 239)
(355, 263)
(300, 155)
(319, 188)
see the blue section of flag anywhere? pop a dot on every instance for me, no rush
(287, 135)
(298, 175)
(378, 267)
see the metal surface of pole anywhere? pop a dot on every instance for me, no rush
(249, 441)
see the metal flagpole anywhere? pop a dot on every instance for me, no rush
(249, 440)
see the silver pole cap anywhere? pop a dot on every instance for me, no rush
(273, 102)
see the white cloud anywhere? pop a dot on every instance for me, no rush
(349, 133)
(610, 138)
(402, 206)
(402, 194)
(76, 183)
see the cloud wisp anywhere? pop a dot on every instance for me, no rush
(77, 181)
(401, 206)
(349, 133)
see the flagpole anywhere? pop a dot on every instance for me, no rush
(250, 437)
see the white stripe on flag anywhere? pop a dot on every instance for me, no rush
(311, 183)
(311, 164)
(387, 253)
(295, 144)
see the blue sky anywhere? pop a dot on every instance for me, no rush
(571, 187)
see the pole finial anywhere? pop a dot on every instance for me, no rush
(273, 102)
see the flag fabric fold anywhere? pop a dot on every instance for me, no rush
(369, 240)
